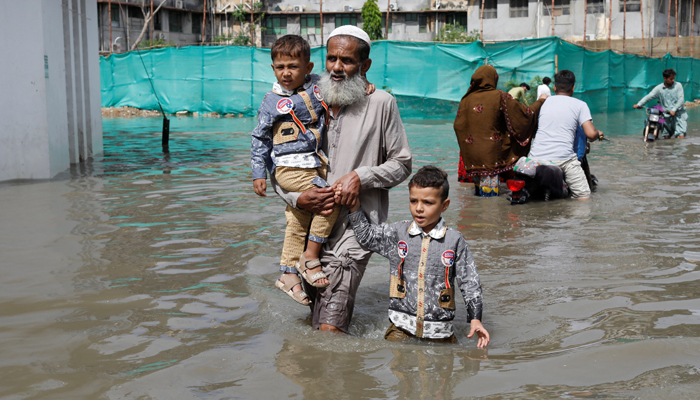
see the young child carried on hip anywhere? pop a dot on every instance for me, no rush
(425, 257)
(287, 142)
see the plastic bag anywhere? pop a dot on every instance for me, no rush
(527, 166)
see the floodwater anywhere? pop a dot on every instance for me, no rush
(150, 278)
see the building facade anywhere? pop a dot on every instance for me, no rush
(183, 22)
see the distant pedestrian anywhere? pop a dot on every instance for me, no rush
(519, 92)
(544, 87)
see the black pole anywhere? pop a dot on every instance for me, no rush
(166, 134)
(166, 121)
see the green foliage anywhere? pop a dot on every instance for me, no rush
(372, 20)
(222, 38)
(388, 90)
(156, 43)
(530, 94)
(241, 40)
(456, 33)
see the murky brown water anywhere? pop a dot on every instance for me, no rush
(147, 278)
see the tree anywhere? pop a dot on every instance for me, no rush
(372, 19)
(241, 14)
(147, 17)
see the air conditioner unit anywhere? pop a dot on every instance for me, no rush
(347, 8)
(160, 35)
(393, 7)
(199, 38)
(298, 8)
(179, 4)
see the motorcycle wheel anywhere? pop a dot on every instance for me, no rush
(646, 132)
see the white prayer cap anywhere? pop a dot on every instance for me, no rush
(351, 30)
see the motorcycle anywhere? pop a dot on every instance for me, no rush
(542, 181)
(655, 124)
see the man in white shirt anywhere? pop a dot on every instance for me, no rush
(544, 87)
(559, 118)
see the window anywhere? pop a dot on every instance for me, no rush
(196, 23)
(411, 17)
(175, 21)
(632, 5)
(345, 19)
(115, 16)
(490, 9)
(662, 6)
(276, 25)
(518, 8)
(157, 22)
(310, 24)
(422, 23)
(596, 6)
(561, 7)
(456, 18)
(384, 23)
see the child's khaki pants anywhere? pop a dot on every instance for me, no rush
(298, 180)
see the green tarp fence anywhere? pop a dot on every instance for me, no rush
(428, 79)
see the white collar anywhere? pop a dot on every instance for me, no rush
(438, 232)
(277, 88)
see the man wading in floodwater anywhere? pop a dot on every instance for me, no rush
(368, 153)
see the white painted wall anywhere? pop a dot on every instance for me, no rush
(46, 107)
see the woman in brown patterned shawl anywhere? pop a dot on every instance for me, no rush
(493, 131)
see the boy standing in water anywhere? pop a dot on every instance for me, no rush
(287, 142)
(425, 258)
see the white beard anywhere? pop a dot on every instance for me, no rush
(342, 93)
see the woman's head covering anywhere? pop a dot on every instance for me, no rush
(485, 78)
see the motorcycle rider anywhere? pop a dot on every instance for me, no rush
(560, 117)
(670, 95)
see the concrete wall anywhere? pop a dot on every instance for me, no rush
(655, 47)
(50, 102)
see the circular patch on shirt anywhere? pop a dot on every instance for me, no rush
(284, 106)
(403, 249)
(448, 258)
(317, 93)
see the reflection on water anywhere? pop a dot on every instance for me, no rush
(146, 276)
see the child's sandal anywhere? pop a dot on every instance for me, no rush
(304, 266)
(300, 297)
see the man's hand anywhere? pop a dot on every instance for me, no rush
(483, 334)
(636, 107)
(350, 189)
(601, 136)
(370, 87)
(317, 200)
(673, 113)
(260, 186)
(543, 96)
